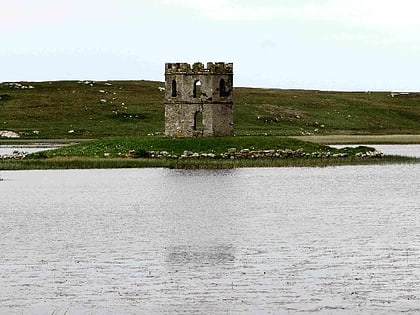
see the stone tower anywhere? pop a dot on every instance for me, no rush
(198, 99)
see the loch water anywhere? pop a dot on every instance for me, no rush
(336, 240)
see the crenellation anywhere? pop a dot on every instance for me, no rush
(177, 67)
(198, 68)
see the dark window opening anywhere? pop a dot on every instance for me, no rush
(198, 121)
(197, 89)
(174, 92)
(222, 89)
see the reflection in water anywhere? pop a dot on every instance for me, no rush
(9, 149)
(275, 240)
(411, 150)
(205, 256)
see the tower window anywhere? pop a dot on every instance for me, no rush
(197, 89)
(222, 88)
(174, 92)
(198, 121)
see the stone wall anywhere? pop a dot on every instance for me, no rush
(198, 99)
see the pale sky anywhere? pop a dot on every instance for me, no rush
(311, 44)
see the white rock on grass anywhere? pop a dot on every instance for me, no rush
(8, 134)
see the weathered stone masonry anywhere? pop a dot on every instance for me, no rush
(198, 99)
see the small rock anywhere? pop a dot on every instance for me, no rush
(8, 134)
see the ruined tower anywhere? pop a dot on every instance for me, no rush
(198, 99)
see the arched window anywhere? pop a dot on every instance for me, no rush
(174, 92)
(197, 89)
(222, 88)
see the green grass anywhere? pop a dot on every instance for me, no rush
(128, 117)
(295, 112)
(86, 163)
(72, 110)
(121, 147)
(68, 109)
(119, 152)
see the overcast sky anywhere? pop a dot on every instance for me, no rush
(311, 44)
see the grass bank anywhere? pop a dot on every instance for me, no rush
(138, 146)
(97, 163)
(136, 151)
(87, 109)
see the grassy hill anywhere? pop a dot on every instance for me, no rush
(85, 109)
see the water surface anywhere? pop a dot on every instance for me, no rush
(9, 149)
(274, 240)
(411, 150)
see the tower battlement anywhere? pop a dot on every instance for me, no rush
(199, 68)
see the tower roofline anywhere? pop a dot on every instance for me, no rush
(199, 68)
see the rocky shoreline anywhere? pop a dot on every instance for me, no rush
(16, 155)
(233, 153)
